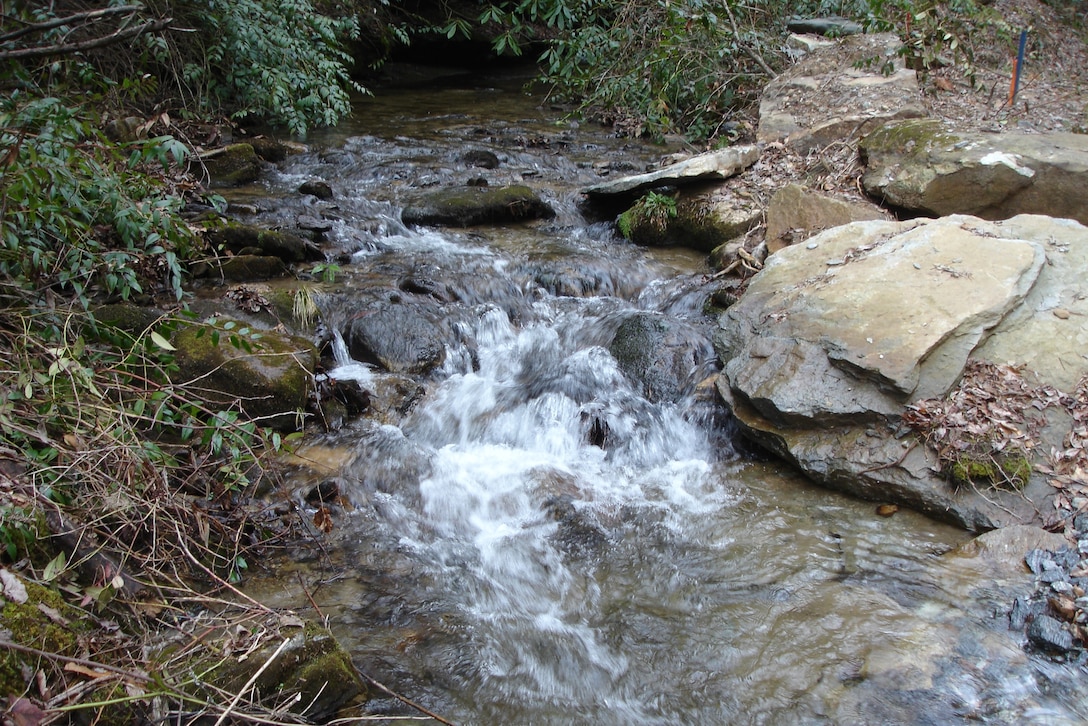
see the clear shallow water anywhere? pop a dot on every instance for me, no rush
(498, 567)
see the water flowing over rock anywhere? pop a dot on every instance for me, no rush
(835, 336)
(922, 166)
(839, 92)
(713, 165)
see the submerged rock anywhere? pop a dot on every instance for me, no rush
(660, 354)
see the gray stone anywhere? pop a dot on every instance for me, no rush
(834, 337)
(833, 26)
(400, 337)
(711, 166)
(659, 353)
(922, 166)
(838, 93)
(1047, 633)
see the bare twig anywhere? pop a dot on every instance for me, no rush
(43, 51)
(249, 684)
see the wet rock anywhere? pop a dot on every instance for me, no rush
(400, 337)
(242, 268)
(269, 381)
(481, 158)
(796, 213)
(274, 150)
(1048, 634)
(711, 166)
(232, 165)
(248, 239)
(308, 661)
(317, 188)
(470, 206)
(326, 491)
(924, 167)
(314, 224)
(659, 353)
(838, 93)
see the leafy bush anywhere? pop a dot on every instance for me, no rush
(651, 66)
(78, 214)
(279, 60)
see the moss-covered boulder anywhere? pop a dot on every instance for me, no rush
(240, 238)
(232, 165)
(468, 206)
(266, 375)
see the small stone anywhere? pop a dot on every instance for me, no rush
(1061, 586)
(1061, 313)
(887, 510)
(319, 189)
(811, 246)
(1035, 560)
(1048, 634)
(313, 224)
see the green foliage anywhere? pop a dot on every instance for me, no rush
(938, 32)
(649, 216)
(279, 60)
(653, 66)
(82, 216)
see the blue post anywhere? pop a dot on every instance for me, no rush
(1019, 65)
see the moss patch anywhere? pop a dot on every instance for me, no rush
(27, 624)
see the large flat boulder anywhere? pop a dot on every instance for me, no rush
(835, 337)
(838, 93)
(923, 166)
(711, 166)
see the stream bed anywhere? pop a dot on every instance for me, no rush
(532, 538)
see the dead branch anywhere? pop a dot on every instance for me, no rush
(88, 16)
(150, 26)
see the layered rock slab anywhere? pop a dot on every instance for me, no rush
(839, 92)
(922, 166)
(836, 336)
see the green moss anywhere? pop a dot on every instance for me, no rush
(1008, 471)
(26, 624)
(904, 137)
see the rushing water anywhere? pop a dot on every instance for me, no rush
(499, 563)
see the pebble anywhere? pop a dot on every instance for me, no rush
(1061, 586)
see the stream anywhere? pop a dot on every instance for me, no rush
(531, 538)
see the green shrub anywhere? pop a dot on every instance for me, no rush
(279, 60)
(81, 215)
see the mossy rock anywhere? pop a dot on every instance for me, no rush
(271, 381)
(311, 664)
(912, 136)
(26, 624)
(244, 268)
(1008, 471)
(239, 238)
(468, 206)
(233, 166)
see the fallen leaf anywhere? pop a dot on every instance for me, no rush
(23, 712)
(12, 587)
